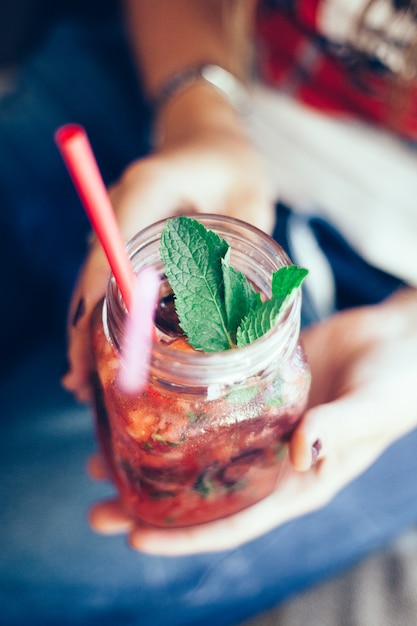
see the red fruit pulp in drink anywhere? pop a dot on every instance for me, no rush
(179, 460)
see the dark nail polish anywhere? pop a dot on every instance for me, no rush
(315, 451)
(79, 312)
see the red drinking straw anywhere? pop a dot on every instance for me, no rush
(78, 156)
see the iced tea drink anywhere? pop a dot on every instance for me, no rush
(208, 435)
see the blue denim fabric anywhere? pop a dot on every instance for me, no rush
(53, 568)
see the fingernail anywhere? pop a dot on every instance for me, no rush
(79, 312)
(315, 451)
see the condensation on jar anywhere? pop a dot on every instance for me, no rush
(208, 436)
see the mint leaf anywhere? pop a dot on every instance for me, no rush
(244, 394)
(286, 279)
(262, 318)
(239, 295)
(192, 256)
(258, 322)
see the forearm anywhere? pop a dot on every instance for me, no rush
(169, 35)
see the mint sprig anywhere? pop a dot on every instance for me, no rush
(264, 317)
(192, 256)
(239, 297)
(217, 306)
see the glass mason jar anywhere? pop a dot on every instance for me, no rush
(208, 436)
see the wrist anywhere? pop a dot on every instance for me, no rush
(198, 108)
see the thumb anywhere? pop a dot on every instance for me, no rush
(327, 429)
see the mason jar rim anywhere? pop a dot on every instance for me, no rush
(196, 368)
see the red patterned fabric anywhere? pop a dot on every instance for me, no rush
(296, 58)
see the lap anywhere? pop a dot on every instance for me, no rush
(55, 570)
